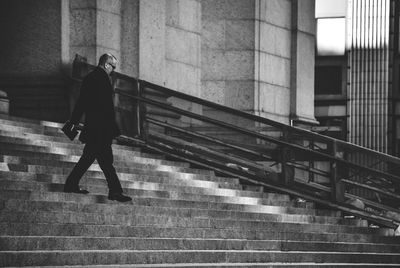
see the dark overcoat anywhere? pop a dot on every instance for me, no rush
(96, 103)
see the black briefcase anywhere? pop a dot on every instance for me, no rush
(70, 130)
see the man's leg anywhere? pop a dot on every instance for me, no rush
(86, 160)
(105, 159)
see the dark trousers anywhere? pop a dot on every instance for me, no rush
(102, 152)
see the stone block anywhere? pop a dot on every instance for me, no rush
(239, 65)
(213, 34)
(229, 65)
(275, 40)
(190, 15)
(274, 70)
(277, 12)
(82, 4)
(305, 77)
(172, 13)
(32, 42)
(108, 30)
(239, 34)
(183, 46)
(306, 16)
(83, 23)
(240, 9)
(130, 38)
(274, 99)
(213, 9)
(152, 41)
(172, 74)
(112, 6)
(189, 79)
(239, 94)
(213, 91)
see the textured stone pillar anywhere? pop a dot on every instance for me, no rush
(152, 41)
(272, 59)
(302, 64)
(95, 28)
(183, 42)
(228, 52)
(258, 56)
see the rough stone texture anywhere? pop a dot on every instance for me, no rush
(32, 43)
(130, 37)
(303, 60)
(183, 39)
(152, 41)
(228, 52)
(273, 60)
(95, 28)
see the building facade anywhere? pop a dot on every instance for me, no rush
(357, 86)
(253, 55)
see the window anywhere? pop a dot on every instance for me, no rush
(328, 80)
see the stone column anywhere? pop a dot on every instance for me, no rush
(152, 41)
(227, 52)
(302, 64)
(272, 59)
(95, 28)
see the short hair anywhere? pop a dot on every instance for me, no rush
(105, 57)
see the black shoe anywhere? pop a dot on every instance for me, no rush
(119, 197)
(76, 191)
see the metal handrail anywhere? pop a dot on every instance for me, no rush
(193, 153)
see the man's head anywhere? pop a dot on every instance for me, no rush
(108, 62)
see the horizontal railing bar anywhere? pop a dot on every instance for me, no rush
(312, 170)
(261, 136)
(369, 187)
(201, 136)
(351, 196)
(268, 121)
(297, 165)
(363, 214)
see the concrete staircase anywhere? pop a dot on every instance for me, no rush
(179, 217)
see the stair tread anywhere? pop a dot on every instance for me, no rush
(179, 214)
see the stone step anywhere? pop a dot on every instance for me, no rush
(139, 158)
(229, 265)
(104, 257)
(145, 200)
(44, 133)
(41, 243)
(125, 167)
(283, 222)
(94, 171)
(18, 205)
(89, 230)
(154, 183)
(53, 192)
(170, 180)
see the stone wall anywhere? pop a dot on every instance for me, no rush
(31, 38)
(95, 28)
(252, 61)
(252, 55)
(273, 59)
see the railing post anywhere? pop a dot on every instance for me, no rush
(286, 155)
(337, 186)
(140, 113)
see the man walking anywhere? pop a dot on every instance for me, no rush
(96, 103)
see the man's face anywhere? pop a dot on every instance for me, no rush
(110, 66)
